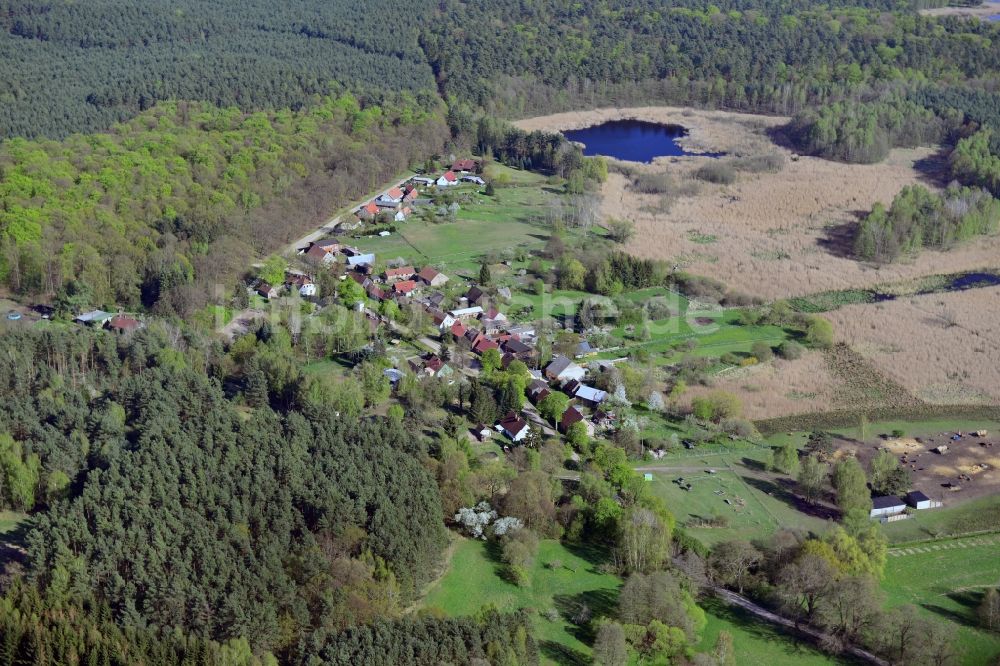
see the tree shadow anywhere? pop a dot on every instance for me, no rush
(838, 239)
(755, 465)
(594, 555)
(580, 611)
(934, 169)
(562, 654)
(782, 491)
(964, 619)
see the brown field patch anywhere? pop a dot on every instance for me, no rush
(944, 348)
(778, 388)
(903, 445)
(772, 235)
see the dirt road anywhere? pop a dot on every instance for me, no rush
(328, 228)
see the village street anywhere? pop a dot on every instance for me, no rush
(328, 228)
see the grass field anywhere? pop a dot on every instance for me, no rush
(10, 520)
(959, 572)
(758, 507)
(968, 517)
(473, 580)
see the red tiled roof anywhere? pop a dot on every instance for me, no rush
(124, 323)
(403, 271)
(569, 417)
(450, 176)
(404, 287)
(464, 165)
(411, 194)
(483, 344)
(458, 329)
(395, 193)
(427, 273)
(372, 208)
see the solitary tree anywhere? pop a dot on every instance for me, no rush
(484, 274)
(851, 486)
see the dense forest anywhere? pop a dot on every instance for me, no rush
(161, 209)
(72, 67)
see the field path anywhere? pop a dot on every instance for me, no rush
(734, 599)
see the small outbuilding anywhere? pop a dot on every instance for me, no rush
(887, 506)
(918, 500)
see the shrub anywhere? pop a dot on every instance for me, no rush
(768, 163)
(791, 350)
(719, 173)
(653, 183)
(762, 351)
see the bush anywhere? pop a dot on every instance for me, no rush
(762, 351)
(791, 350)
(719, 173)
(769, 163)
(653, 183)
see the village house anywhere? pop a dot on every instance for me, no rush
(537, 391)
(93, 318)
(518, 350)
(395, 274)
(404, 288)
(466, 313)
(371, 208)
(318, 253)
(266, 290)
(562, 369)
(422, 180)
(394, 195)
(475, 295)
(447, 179)
(515, 427)
(586, 395)
(482, 433)
(361, 260)
(570, 416)
(466, 164)
(122, 323)
(328, 244)
(431, 277)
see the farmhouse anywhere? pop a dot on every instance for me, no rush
(886, 506)
(464, 165)
(431, 277)
(588, 395)
(571, 416)
(394, 274)
(447, 180)
(404, 287)
(513, 426)
(562, 369)
(538, 390)
(466, 313)
(361, 260)
(122, 323)
(267, 291)
(93, 318)
(319, 253)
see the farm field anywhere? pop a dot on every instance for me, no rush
(473, 580)
(962, 569)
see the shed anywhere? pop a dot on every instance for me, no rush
(887, 506)
(919, 500)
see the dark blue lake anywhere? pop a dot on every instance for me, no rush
(632, 140)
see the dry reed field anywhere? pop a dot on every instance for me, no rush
(944, 348)
(982, 11)
(778, 388)
(775, 235)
